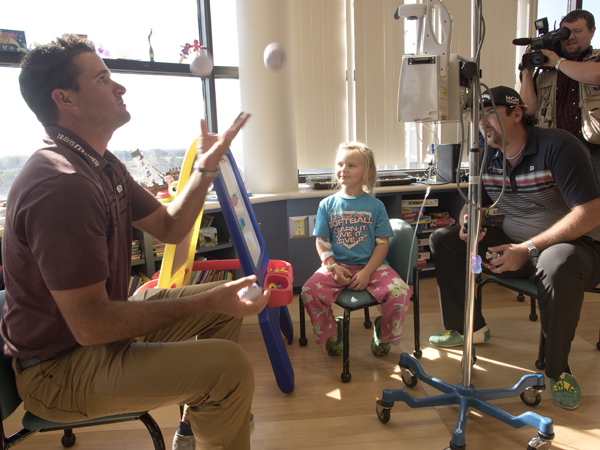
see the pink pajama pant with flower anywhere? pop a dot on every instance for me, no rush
(385, 285)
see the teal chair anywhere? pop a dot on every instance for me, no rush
(10, 401)
(523, 287)
(403, 261)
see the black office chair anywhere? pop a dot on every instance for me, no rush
(10, 401)
(525, 287)
(403, 261)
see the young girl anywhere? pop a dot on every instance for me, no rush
(353, 231)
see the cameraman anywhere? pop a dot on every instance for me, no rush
(566, 94)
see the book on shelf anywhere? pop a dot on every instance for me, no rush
(208, 276)
(134, 283)
(409, 215)
(422, 242)
(413, 203)
(413, 220)
(424, 255)
(421, 227)
(442, 222)
(440, 215)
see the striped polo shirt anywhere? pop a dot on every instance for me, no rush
(554, 174)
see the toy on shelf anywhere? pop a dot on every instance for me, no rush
(103, 52)
(185, 52)
(151, 50)
(196, 46)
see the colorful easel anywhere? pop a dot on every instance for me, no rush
(178, 261)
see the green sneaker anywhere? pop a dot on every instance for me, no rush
(566, 391)
(378, 348)
(454, 338)
(336, 348)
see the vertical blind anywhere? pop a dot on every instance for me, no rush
(320, 46)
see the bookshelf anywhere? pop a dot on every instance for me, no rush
(149, 262)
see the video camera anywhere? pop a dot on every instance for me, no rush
(545, 40)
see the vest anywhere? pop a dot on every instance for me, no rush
(589, 102)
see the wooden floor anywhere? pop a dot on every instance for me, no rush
(324, 413)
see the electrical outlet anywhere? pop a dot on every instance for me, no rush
(298, 227)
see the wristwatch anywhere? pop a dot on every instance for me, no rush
(533, 251)
(207, 173)
(558, 63)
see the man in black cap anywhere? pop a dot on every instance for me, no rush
(550, 234)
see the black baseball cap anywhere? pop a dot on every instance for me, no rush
(502, 95)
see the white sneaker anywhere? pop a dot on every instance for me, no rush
(181, 442)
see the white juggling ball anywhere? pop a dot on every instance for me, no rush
(202, 64)
(250, 293)
(275, 57)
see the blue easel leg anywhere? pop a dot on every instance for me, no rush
(280, 361)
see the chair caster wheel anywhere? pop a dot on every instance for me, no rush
(540, 365)
(408, 376)
(368, 324)
(418, 354)
(530, 397)
(533, 317)
(598, 345)
(383, 411)
(520, 298)
(346, 377)
(68, 441)
(303, 342)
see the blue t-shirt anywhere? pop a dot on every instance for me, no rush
(351, 224)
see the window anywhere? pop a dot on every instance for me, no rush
(166, 102)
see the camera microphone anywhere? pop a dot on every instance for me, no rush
(521, 41)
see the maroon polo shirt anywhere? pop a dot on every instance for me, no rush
(68, 225)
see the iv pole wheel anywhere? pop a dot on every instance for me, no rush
(383, 411)
(530, 398)
(455, 447)
(408, 377)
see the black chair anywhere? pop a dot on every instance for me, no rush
(403, 261)
(524, 287)
(10, 401)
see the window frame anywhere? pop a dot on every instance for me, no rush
(152, 68)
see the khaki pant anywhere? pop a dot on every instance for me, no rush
(211, 375)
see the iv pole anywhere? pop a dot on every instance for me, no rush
(464, 394)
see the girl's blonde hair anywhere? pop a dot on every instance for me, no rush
(370, 176)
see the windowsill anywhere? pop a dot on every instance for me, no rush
(305, 191)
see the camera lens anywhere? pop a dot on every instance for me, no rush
(536, 59)
(533, 59)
